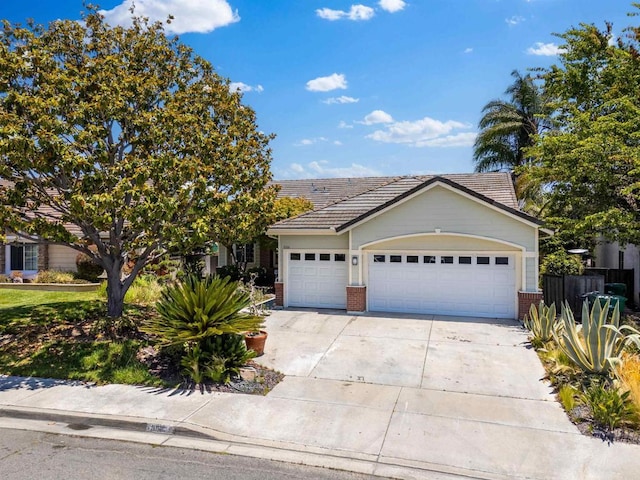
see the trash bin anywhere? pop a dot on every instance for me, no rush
(616, 289)
(613, 299)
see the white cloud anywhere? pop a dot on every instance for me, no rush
(514, 20)
(337, 142)
(468, 50)
(243, 87)
(545, 49)
(323, 169)
(200, 16)
(426, 132)
(296, 168)
(392, 6)
(340, 100)
(309, 141)
(326, 84)
(356, 13)
(377, 116)
(464, 139)
(344, 124)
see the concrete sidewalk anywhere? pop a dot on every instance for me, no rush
(450, 410)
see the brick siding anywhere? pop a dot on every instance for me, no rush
(356, 298)
(525, 300)
(279, 287)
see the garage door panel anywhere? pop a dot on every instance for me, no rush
(443, 288)
(317, 283)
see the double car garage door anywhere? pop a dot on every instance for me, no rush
(448, 284)
(466, 284)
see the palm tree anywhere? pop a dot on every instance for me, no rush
(508, 127)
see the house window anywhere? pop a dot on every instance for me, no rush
(325, 257)
(244, 253)
(395, 258)
(621, 260)
(446, 259)
(412, 258)
(310, 256)
(378, 259)
(24, 257)
(502, 260)
(339, 257)
(429, 259)
(295, 256)
(464, 260)
(482, 260)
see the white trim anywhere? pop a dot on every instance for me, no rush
(464, 235)
(350, 274)
(303, 231)
(450, 188)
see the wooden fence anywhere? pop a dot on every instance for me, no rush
(557, 289)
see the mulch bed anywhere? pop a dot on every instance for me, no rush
(166, 368)
(580, 416)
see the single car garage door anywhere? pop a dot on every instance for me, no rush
(317, 279)
(448, 284)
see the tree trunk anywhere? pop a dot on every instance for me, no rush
(115, 293)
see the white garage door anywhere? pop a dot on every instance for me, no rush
(458, 284)
(317, 279)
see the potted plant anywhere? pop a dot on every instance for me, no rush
(255, 339)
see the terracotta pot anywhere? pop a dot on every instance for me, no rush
(255, 341)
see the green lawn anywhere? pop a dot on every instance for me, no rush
(61, 335)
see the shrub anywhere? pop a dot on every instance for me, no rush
(628, 373)
(596, 345)
(87, 268)
(541, 322)
(56, 276)
(561, 369)
(567, 395)
(199, 308)
(609, 408)
(4, 279)
(561, 263)
(231, 271)
(145, 290)
(228, 353)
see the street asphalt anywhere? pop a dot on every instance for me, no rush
(399, 396)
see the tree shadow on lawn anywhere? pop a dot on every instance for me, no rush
(18, 317)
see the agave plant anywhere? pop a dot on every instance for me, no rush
(541, 322)
(201, 308)
(596, 345)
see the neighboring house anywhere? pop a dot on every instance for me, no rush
(612, 255)
(451, 244)
(28, 258)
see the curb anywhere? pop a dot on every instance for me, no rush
(179, 436)
(85, 421)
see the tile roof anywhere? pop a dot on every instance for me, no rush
(325, 191)
(492, 188)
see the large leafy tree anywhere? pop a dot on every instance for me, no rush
(121, 142)
(590, 164)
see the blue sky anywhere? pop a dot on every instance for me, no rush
(363, 87)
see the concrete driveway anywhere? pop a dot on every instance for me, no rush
(462, 395)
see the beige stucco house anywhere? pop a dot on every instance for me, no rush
(451, 244)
